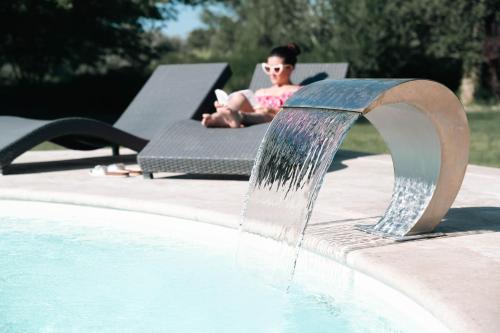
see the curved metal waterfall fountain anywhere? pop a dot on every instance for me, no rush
(423, 124)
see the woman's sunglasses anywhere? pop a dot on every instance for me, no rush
(273, 69)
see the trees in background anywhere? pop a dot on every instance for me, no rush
(456, 42)
(88, 58)
(52, 39)
(492, 46)
(436, 39)
(442, 40)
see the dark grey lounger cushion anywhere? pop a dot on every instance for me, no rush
(189, 147)
(172, 93)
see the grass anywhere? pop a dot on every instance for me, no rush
(484, 138)
(48, 146)
(484, 144)
(483, 107)
(365, 138)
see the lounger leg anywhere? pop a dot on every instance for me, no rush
(116, 150)
(147, 175)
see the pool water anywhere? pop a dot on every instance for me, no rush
(80, 269)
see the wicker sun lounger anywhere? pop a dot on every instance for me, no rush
(188, 147)
(172, 93)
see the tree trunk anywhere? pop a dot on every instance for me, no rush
(492, 56)
(492, 52)
(468, 87)
(495, 86)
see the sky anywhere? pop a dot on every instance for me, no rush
(188, 20)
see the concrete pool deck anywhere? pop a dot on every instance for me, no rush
(456, 277)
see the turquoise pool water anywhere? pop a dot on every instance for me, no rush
(77, 269)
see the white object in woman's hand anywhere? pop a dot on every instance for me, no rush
(222, 96)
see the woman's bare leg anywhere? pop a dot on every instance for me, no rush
(236, 107)
(216, 119)
(236, 119)
(239, 102)
(228, 115)
(225, 117)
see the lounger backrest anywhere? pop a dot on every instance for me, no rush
(173, 93)
(303, 74)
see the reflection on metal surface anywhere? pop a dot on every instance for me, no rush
(347, 95)
(293, 158)
(423, 124)
(296, 152)
(411, 196)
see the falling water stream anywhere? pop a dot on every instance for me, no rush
(410, 196)
(294, 156)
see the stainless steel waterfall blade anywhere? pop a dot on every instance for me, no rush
(293, 158)
(425, 128)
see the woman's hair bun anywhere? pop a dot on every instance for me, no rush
(288, 52)
(294, 47)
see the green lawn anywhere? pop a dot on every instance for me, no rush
(484, 148)
(484, 141)
(48, 146)
(364, 137)
(485, 138)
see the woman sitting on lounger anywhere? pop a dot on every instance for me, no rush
(239, 111)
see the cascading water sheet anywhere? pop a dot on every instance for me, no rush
(293, 158)
(424, 125)
(410, 197)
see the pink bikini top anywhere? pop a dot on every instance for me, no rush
(274, 102)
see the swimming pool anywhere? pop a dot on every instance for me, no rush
(70, 268)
